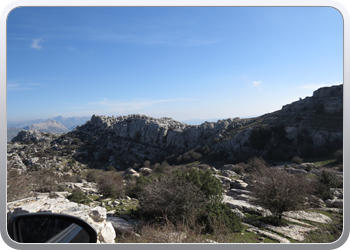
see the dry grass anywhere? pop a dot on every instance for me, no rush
(168, 233)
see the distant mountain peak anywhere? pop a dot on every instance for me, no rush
(50, 126)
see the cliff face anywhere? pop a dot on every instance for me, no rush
(312, 125)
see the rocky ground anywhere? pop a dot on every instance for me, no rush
(110, 217)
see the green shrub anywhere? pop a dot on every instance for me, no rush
(218, 213)
(171, 199)
(78, 196)
(191, 196)
(297, 160)
(111, 168)
(204, 180)
(134, 188)
(327, 180)
(159, 169)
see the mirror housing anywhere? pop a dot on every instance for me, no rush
(50, 228)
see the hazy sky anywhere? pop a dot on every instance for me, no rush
(179, 62)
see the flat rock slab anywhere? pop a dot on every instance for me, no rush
(265, 233)
(299, 222)
(243, 205)
(334, 210)
(295, 232)
(310, 216)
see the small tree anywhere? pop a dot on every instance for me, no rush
(256, 164)
(279, 191)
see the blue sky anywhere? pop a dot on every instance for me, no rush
(179, 62)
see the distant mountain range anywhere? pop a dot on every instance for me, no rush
(56, 124)
(50, 126)
(70, 122)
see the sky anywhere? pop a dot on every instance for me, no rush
(180, 62)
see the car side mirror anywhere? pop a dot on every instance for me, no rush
(50, 228)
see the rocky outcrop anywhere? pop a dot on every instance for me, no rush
(33, 136)
(16, 162)
(163, 132)
(121, 225)
(95, 216)
(327, 99)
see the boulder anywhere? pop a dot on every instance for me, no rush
(120, 225)
(15, 160)
(229, 173)
(238, 184)
(95, 216)
(86, 187)
(338, 203)
(145, 171)
(131, 172)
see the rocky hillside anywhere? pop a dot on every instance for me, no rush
(309, 127)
